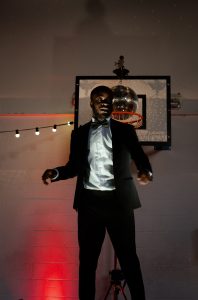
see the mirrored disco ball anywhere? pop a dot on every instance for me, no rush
(125, 100)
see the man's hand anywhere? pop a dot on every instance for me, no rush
(48, 174)
(144, 178)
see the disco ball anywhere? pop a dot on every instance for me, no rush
(124, 100)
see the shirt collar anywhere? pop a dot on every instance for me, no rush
(94, 119)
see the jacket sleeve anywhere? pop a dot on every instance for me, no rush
(137, 153)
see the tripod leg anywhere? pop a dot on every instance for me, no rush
(119, 288)
(123, 293)
(108, 291)
(124, 284)
(116, 292)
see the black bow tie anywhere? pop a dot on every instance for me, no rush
(97, 123)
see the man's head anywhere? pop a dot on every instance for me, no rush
(101, 102)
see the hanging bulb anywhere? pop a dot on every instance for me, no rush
(68, 123)
(54, 128)
(17, 134)
(37, 132)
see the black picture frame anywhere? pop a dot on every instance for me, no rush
(154, 97)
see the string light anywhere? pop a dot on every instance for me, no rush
(37, 132)
(37, 129)
(54, 128)
(17, 134)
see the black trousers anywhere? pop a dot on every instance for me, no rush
(100, 212)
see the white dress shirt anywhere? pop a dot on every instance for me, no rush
(100, 159)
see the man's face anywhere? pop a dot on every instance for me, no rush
(101, 106)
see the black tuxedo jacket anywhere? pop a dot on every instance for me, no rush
(126, 148)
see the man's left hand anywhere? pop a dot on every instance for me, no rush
(144, 178)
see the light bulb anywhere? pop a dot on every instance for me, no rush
(17, 134)
(37, 132)
(54, 128)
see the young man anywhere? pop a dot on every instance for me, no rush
(105, 196)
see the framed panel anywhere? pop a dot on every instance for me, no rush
(153, 105)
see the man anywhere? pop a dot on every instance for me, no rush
(105, 196)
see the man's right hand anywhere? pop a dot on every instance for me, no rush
(48, 174)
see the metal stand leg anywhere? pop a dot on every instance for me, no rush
(116, 284)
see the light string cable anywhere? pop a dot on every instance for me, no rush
(36, 129)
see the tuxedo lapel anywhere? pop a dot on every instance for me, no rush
(115, 137)
(84, 136)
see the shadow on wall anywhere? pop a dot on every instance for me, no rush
(81, 51)
(86, 51)
(94, 24)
